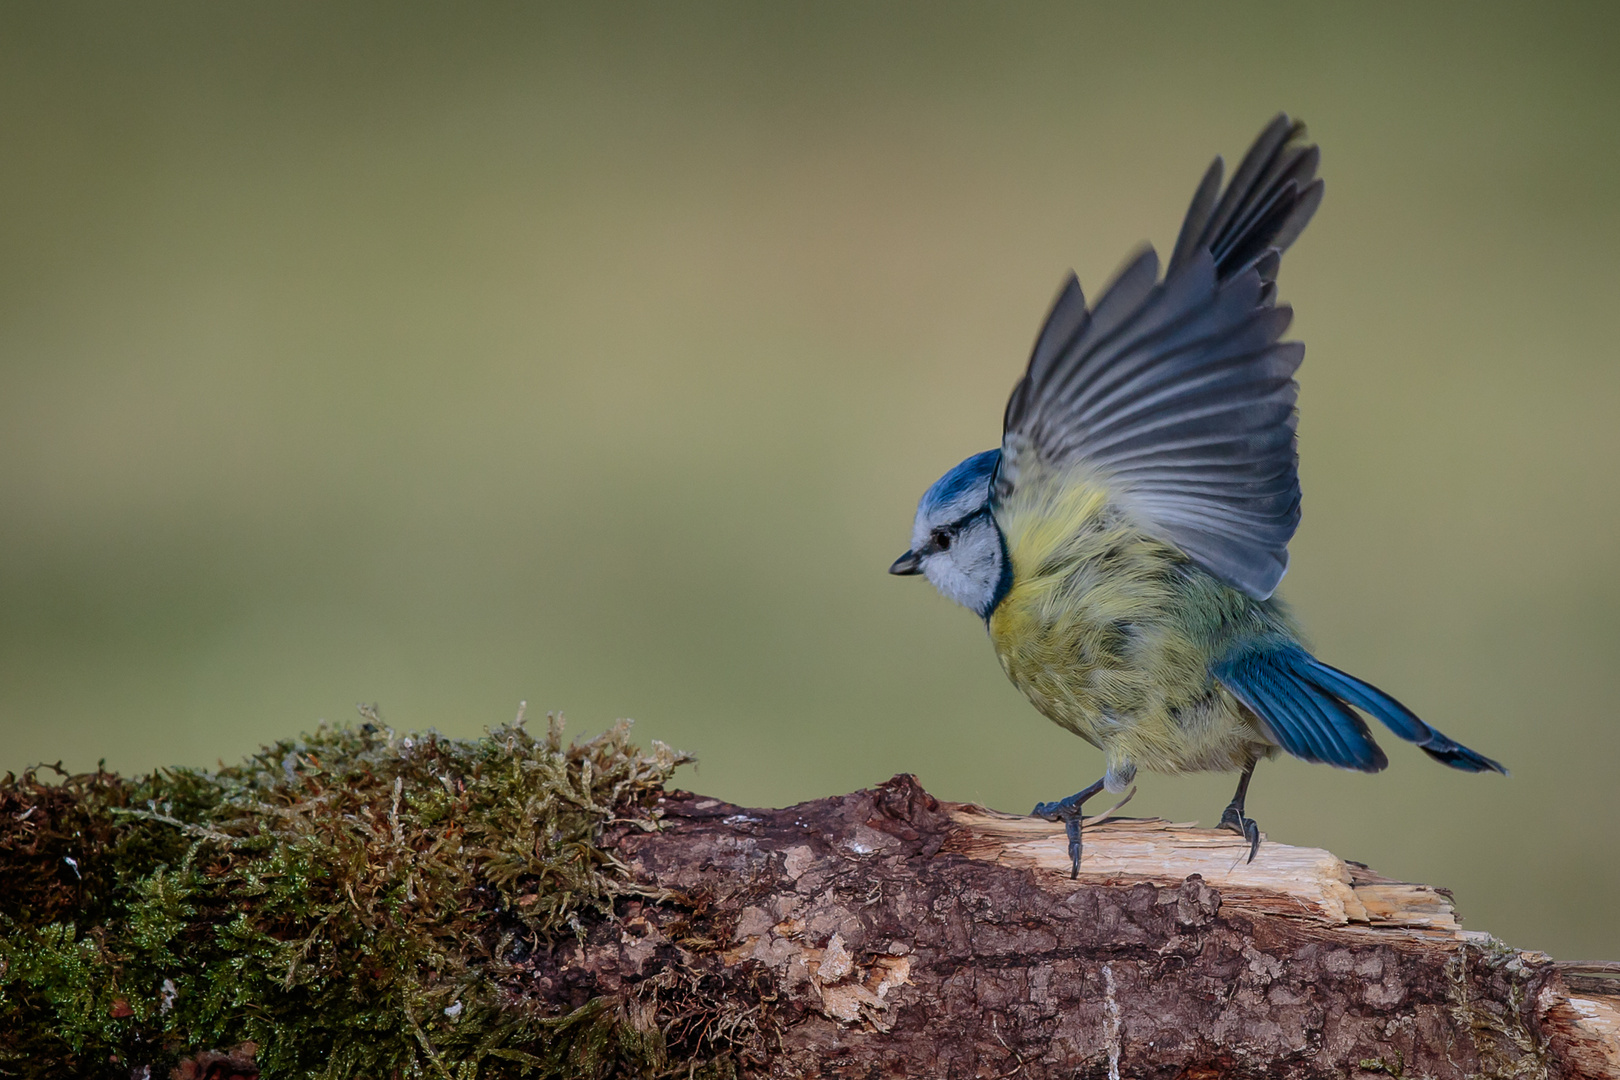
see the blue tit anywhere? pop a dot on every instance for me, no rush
(1124, 543)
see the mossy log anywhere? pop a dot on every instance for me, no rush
(364, 904)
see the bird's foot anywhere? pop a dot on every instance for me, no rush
(1069, 811)
(1245, 827)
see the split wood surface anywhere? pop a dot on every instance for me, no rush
(884, 933)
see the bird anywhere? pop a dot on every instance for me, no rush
(1124, 543)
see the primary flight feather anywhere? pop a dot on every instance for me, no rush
(1124, 542)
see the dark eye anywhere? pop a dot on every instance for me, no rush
(942, 540)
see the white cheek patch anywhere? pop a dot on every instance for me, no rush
(950, 581)
(970, 569)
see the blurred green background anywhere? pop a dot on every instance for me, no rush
(445, 356)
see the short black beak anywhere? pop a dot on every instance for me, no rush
(909, 563)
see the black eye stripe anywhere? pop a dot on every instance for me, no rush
(949, 530)
(961, 522)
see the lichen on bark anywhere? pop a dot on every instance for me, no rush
(346, 902)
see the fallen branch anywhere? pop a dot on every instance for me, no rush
(361, 903)
(884, 933)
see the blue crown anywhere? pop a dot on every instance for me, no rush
(971, 476)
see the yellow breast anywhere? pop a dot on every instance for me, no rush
(1093, 631)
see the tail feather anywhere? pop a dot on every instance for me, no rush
(1304, 720)
(1305, 705)
(1399, 719)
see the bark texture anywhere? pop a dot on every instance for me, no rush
(883, 933)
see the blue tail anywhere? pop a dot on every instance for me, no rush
(1305, 705)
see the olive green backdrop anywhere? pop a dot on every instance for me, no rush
(447, 356)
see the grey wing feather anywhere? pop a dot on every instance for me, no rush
(1268, 203)
(1180, 391)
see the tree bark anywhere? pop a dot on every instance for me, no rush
(884, 933)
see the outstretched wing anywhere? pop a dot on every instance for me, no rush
(1179, 392)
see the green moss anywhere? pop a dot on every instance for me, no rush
(344, 901)
(1507, 1047)
(1397, 1070)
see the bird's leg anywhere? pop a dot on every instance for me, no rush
(1069, 812)
(1233, 817)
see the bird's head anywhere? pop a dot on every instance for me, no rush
(955, 542)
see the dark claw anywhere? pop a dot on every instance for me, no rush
(1069, 811)
(1245, 827)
